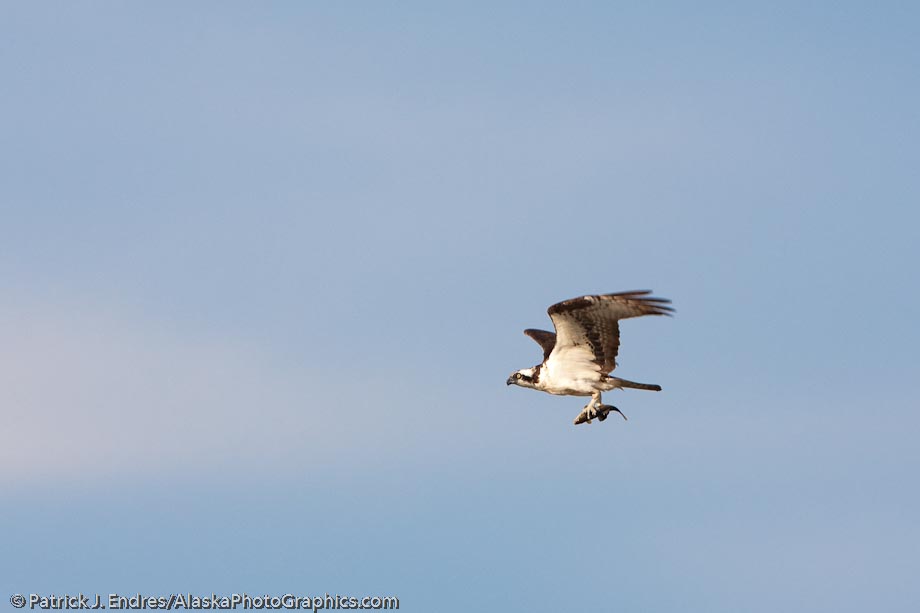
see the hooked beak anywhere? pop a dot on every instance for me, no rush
(509, 381)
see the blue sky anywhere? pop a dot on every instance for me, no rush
(265, 268)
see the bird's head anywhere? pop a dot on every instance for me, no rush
(523, 377)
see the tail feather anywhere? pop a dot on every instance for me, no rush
(639, 386)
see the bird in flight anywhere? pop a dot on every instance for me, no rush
(579, 356)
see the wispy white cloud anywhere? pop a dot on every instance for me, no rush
(88, 394)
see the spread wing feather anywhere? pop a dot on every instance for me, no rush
(547, 340)
(592, 322)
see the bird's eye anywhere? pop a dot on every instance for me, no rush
(517, 375)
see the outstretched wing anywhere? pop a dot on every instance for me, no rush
(547, 340)
(592, 322)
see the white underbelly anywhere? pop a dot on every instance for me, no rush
(569, 386)
(569, 392)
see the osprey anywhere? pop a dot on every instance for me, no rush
(579, 356)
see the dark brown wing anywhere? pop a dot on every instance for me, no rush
(593, 321)
(546, 339)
